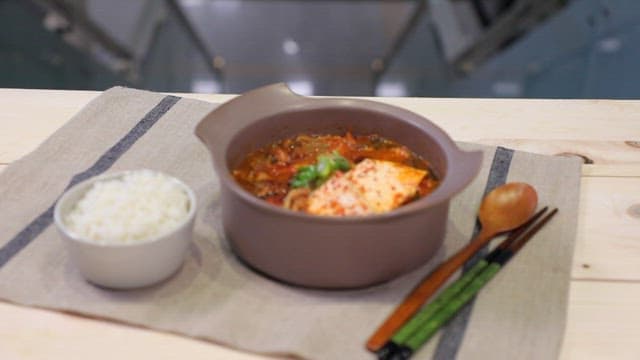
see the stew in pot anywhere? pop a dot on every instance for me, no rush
(336, 174)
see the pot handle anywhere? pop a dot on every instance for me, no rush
(242, 110)
(467, 167)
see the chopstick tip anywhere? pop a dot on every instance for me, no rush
(393, 351)
(387, 350)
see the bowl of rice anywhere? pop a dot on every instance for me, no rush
(127, 229)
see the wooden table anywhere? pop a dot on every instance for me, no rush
(604, 305)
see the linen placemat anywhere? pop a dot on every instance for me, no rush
(519, 315)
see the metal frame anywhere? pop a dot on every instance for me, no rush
(380, 66)
(517, 19)
(78, 19)
(74, 12)
(195, 37)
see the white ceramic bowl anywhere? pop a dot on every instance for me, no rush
(125, 266)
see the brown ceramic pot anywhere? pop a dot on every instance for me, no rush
(330, 252)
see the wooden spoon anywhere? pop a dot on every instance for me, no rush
(503, 209)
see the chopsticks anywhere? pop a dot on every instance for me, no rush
(432, 317)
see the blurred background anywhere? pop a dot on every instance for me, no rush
(457, 48)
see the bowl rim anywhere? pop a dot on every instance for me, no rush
(86, 184)
(414, 208)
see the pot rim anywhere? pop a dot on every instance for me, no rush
(449, 187)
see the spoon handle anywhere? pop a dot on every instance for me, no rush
(425, 289)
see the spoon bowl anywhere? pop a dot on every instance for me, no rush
(508, 206)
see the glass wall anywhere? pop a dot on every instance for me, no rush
(470, 48)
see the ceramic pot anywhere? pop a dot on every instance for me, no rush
(320, 251)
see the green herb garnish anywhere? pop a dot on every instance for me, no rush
(314, 175)
(304, 176)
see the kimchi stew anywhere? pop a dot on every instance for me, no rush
(336, 175)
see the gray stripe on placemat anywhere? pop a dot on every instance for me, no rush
(35, 228)
(453, 333)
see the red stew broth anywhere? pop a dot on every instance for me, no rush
(266, 172)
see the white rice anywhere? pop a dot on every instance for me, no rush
(129, 209)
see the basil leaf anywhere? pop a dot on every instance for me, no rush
(304, 176)
(314, 175)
